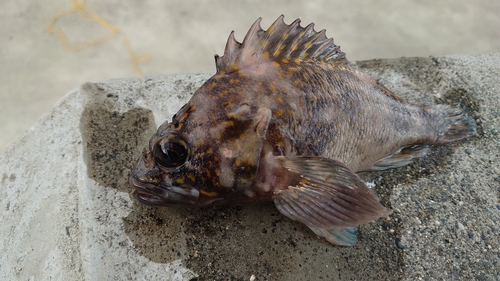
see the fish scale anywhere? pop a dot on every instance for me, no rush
(286, 119)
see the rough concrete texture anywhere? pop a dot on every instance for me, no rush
(67, 213)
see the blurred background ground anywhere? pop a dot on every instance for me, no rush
(182, 36)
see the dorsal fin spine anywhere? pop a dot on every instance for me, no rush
(308, 44)
(281, 42)
(270, 30)
(313, 49)
(295, 40)
(252, 32)
(280, 46)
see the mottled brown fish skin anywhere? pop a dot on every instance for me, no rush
(286, 118)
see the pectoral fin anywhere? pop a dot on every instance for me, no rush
(326, 196)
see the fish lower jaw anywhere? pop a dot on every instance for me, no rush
(147, 198)
(143, 194)
(152, 194)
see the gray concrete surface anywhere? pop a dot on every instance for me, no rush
(182, 36)
(67, 213)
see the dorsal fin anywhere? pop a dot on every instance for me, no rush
(280, 41)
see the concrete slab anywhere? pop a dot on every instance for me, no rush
(67, 213)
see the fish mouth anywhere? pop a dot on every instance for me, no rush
(163, 194)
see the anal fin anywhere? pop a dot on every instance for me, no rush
(402, 157)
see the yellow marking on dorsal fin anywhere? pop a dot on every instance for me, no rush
(280, 43)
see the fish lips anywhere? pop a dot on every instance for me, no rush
(163, 194)
(148, 189)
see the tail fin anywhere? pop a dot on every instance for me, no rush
(455, 124)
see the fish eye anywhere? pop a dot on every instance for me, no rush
(170, 152)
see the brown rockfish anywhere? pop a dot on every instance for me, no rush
(286, 119)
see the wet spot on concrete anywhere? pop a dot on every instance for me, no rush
(157, 232)
(233, 243)
(113, 142)
(222, 243)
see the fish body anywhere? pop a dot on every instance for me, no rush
(287, 119)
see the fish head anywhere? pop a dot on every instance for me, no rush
(208, 154)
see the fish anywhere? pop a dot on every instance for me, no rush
(286, 119)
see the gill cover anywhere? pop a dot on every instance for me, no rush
(240, 148)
